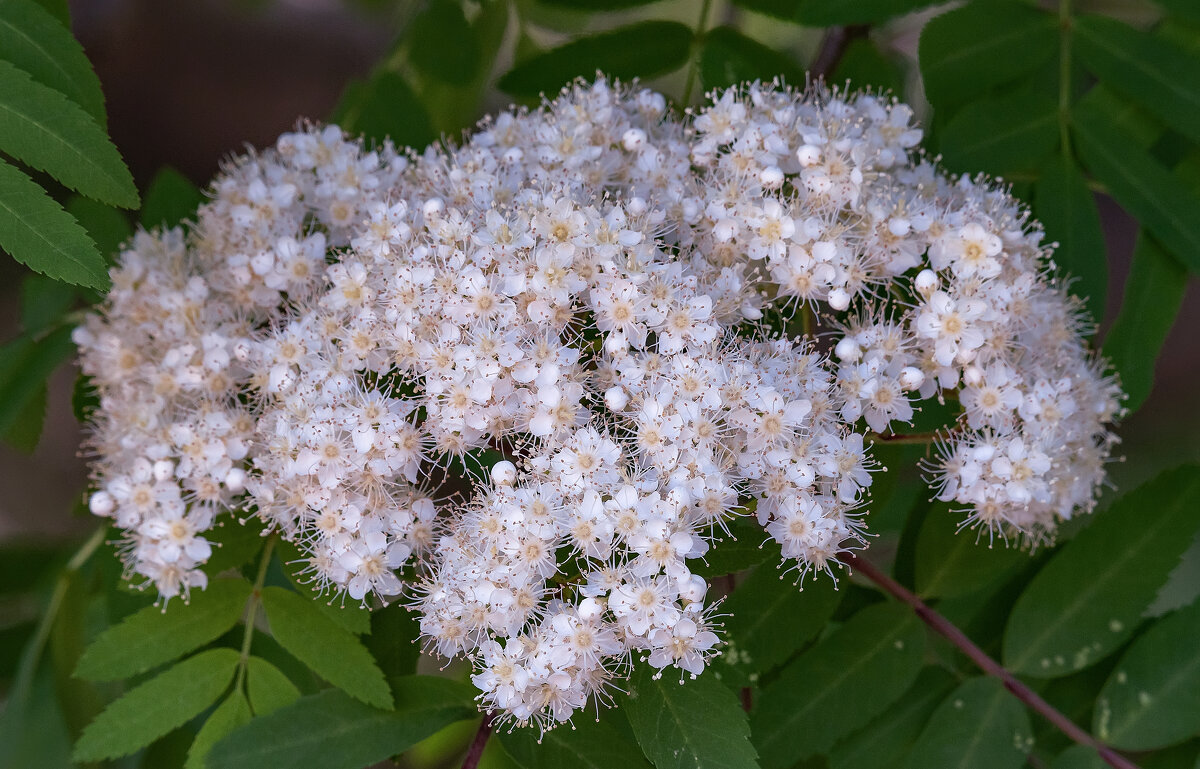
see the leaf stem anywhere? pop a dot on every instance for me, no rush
(950, 632)
(252, 604)
(697, 41)
(475, 751)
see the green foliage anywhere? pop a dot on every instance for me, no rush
(951, 562)
(645, 49)
(1066, 207)
(1089, 598)
(728, 57)
(328, 648)
(153, 636)
(1152, 698)
(385, 107)
(1002, 134)
(1153, 295)
(694, 725)
(979, 725)
(233, 712)
(267, 687)
(333, 731)
(170, 198)
(440, 43)
(157, 706)
(588, 745)
(841, 683)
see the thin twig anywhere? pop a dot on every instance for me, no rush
(988, 665)
(475, 751)
(833, 46)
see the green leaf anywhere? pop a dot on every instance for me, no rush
(441, 45)
(393, 640)
(45, 130)
(841, 683)
(1155, 72)
(106, 225)
(229, 715)
(352, 616)
(25, 431)
(865, 66)
(1153, 295)
(646, 49)
(170, 198)
(742, 549)
(983, 44)
(1002, 134)
(1079, 757)
(33, 40)
(333, 731)
(153, 636)
(586, 744)
(728, 57)
(269, 689)
(780, 9)
(1123, 113)
(696, 725)
(951, 562)
(770, 617)
(385, 107)
(592, 6)
(1089, 598)
(157, 706)
(1184, 9)
(825, 13)
(1067, 209)
(44, 301)
(36, 232)
(1152, 699)
(1163, 203)
(25, 365)
(330, 650)
(234, 544)
(883, 743)
(979, 725)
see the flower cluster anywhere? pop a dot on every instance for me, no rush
(539, 373)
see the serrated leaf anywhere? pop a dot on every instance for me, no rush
(695, 725)
(330, 650)
(841, 683)
(105, 225)
(385, 107)
(393, 640)
(646, 49)
(36, 232)
(170, 198)
(741, 549)
(153, 636)
(951, 562)
(1067, 209)
(1089, 598)
(229, 715)
(979, 725)
(33, 40)
(25, 365)
(825, 13)
(348, 614)
(1153, 295)
(334, 731)
(45, 130)
(44, 301)
(25, 432)
(234, 544)
(1163, 203)
(269, 689)
(1152, 698)
(980, 45)
(1001, 134)
(440, 43)
(770, 617)
(587, 744)
(157, 706)
(865, 66)
(728, 57)
(1079, 757)
(1153, 71)
(883, 743)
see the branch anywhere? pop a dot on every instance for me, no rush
(833, 46)
(475, 751)
(985, 663)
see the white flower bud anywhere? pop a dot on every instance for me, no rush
(235, 480)
(616, 398)
(771, 177)
(847, 350)
(808, 155)
(633, 139)
(102, 504)
(504, 473)
(839, 299)
(911, 378)
(163, 469)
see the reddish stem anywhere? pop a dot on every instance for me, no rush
(988, 665)
(475, 751)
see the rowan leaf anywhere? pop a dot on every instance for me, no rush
(694, 725)
(330, 650)
(1090, 597)
(157, 706)
(841, 683)
(170, 198)
(1067, 209)
(227, 716)
(588, 744)
(441, 45)
(33, 40)
(268, 688)
(334, 731)
(728, 57)
(1002, 134)
(1152, 698)
(25, 365)
(645, 49)
(951, 562)
(47, 131)
(154, 635)
(980, 725)
(39, 234)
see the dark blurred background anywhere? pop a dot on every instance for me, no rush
(189, 84)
